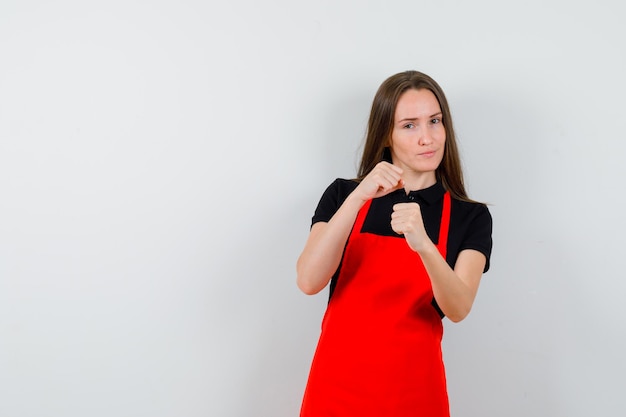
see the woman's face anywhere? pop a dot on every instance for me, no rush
(418, 137)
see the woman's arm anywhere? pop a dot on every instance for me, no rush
(454, 289)
(322, 252)
(324, 247)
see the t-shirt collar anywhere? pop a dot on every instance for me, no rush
(430, 195)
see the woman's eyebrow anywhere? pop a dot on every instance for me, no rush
(412, 119)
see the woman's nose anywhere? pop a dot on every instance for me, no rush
(424, 137)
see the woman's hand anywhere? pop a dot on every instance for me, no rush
(406, 220)
(382, 180)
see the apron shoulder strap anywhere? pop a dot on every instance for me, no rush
(442, 242)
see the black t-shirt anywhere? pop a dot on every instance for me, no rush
(470, 223)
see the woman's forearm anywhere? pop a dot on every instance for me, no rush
(454, 289)
(324, 247)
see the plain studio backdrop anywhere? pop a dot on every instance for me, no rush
(160, 162)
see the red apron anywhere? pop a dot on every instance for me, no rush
(379, 352)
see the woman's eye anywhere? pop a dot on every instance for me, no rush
(409, 126)
(435, 120)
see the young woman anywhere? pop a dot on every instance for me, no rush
(402, 246)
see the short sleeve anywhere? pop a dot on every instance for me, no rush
(332, 198)
(478, 234)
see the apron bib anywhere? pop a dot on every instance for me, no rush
(379, 352)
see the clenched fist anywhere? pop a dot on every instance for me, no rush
(406, 220)
(382, 180)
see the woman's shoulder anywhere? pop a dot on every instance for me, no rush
(469, 204)
(333, 197)
(338, 191)
(468, 209)
(342, 186)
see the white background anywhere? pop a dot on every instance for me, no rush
(160, 162)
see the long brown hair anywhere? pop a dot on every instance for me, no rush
(380, 126)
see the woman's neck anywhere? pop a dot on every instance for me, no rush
(419, 181)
